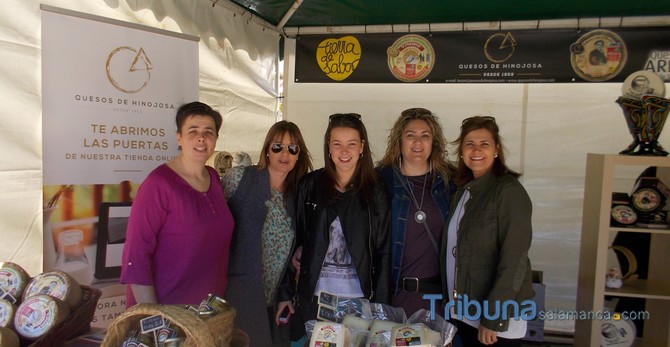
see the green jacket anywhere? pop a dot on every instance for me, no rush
(494, 236)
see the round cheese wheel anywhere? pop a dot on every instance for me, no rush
(39, 314)
(13, 278)
(57, 284)
(7, 310)
(8, 338)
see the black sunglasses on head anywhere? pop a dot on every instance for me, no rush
(277, 147)
(339, 116)
(484, 118)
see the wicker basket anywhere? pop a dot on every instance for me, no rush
(77, 323)
(212, 332)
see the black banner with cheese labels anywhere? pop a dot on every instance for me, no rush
(500, 56)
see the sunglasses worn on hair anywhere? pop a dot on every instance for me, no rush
(277, 147)
(339, 116)
(485, 118)
(416, 112)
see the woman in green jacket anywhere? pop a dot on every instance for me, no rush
(485, 248)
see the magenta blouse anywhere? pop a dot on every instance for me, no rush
(178, 239)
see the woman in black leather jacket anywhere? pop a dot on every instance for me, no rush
(342, 222)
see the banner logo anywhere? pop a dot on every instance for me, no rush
(658, 62)
(411, 58)
(499, 47)
(338, 58)
(128, 69)
(598, 55)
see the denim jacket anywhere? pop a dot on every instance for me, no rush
(400, 203)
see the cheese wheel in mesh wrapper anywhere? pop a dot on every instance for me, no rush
(7, 310)
(13, 278)
(38, 315)
(57, 284)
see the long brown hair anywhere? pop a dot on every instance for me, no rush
(463, 172)
(439, 155)
(304, 163)
(364, 178)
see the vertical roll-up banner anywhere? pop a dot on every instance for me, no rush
(110, 90)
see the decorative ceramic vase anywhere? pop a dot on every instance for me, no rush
(645, 120)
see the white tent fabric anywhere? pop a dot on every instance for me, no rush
(238, 69)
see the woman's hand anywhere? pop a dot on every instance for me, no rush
(144, 294)
(487, 336)
(281, 307)
(295, 260)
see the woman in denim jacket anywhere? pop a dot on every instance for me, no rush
(417, 175)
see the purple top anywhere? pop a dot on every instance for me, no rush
(178, 239)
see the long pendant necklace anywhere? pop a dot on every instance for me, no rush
(419, 215)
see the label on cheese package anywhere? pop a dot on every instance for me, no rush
(414, 335)
(328, 334)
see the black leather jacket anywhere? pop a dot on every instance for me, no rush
(365, 228)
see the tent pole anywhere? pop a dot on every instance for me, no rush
(288, 14)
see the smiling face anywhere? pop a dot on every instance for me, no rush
(282, 162)
(417, 143)
(197, 138)
(479, 151)
(345, 148)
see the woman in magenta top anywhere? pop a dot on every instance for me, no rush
(180, 227)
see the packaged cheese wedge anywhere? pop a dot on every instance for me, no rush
(39, 314)
(57, 284)
(329, 334)
(416, 334)
(13, 279)
(7, 310)
(8, 338)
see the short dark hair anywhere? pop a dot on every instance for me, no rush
(197, 108)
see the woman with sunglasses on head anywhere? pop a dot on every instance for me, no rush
(418, 175)
(485, 248)
(342, 224)
(262, 200)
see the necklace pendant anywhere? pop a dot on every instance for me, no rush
(420, 216)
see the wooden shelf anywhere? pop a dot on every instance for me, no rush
(647, 289)
(595, 240)
(641, 230)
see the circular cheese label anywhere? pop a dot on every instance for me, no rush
(9, 280)
(49, 283)
(598, 55)
(624, 214)
(646, 199)
(35, 316)
(411, 58)
(641, 83)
